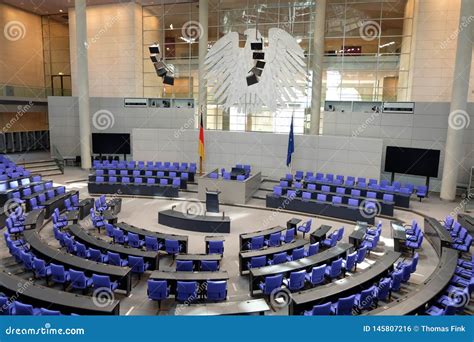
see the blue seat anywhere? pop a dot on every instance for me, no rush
(278, 258)
(258, 261)
(382, 291)
(40, 268)
(209, 265)
(355, 193)
(396, 281)
(296, 254)
(350, 262)
(172, 246)
(109, 230)
(321, 198)
(158, 290)
(271, 283)
(305, 228)
(114, 259)
(365, 299)
(20, 309)
(274, 240)
(319, 310)
(331, 240)
(335, 269)
(81, 250)
(59, 275)
(306, 196)
(340, 233)
(151, 243)
(138, 264)
(421, 191)
(96, 255)
(216, 247)
(325, 189)
(79, 280)
(361, 254)
(278, 190)
(186, 291)
(103, 282)
(296, 280)
(312, 249)
(256, 242)
(343, 306)
(217, 290)
(134, 240)
(184, 265)
(316, 276)
(449, 310)
(289, 236)
(46, 312)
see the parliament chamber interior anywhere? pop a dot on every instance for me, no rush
(228, 157)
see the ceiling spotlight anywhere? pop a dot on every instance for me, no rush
(252, 79)
(154, 49)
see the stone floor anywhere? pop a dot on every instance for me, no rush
(143, 212)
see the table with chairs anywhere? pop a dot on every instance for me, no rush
(245, 240)
(259, 257)
(349, 286)
(154, 241)
(90, 262)
(199, 262)
(306, 264)
(117, 254)
(34, 296)
(214, 244)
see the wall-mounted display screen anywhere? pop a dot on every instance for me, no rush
(412, 161)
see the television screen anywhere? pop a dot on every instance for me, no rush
(412, 161)
(111, 143)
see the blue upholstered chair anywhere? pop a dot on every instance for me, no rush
(217, 290)
(271, 283)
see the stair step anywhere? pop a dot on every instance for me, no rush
(31, 162)
(42, 168)
(51, 173)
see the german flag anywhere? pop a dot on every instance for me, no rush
(202, 153)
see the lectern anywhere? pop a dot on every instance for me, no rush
(212, 201)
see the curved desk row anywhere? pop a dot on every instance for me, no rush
(244, 257)
(46, 297)
(161, 237)
(325, 257)
(386, 208)
(42, 250)
(415, 301)
(132, 189)
(244, 238)
(436, 234)
(200, 277)
(154, 171)
(342, 211)
(401, 200)
(183, 183)
(363, 279)
(83, 236)
(195, 223)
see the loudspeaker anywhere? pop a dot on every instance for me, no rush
(252, 79)
(168, 80)
(154, 49)
(258, 55)
(256, 71)
(256, 46)
(260, 64)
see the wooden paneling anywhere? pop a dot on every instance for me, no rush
(24, 122)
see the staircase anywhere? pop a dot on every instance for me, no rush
(47, 167)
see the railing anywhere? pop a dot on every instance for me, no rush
(58, 158)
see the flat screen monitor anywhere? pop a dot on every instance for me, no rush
(412, 161)
(111, 143)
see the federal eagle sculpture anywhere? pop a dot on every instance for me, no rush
(283, 78)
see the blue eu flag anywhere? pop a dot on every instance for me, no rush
(291, 144)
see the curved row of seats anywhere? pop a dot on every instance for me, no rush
(142, 165)
(187, 291)
(369, 298)
(462, 240)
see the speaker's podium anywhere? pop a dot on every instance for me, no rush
(213, 223)
(212, 201)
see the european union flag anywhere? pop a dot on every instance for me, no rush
(291, 144)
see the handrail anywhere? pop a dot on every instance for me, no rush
(58, 158)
